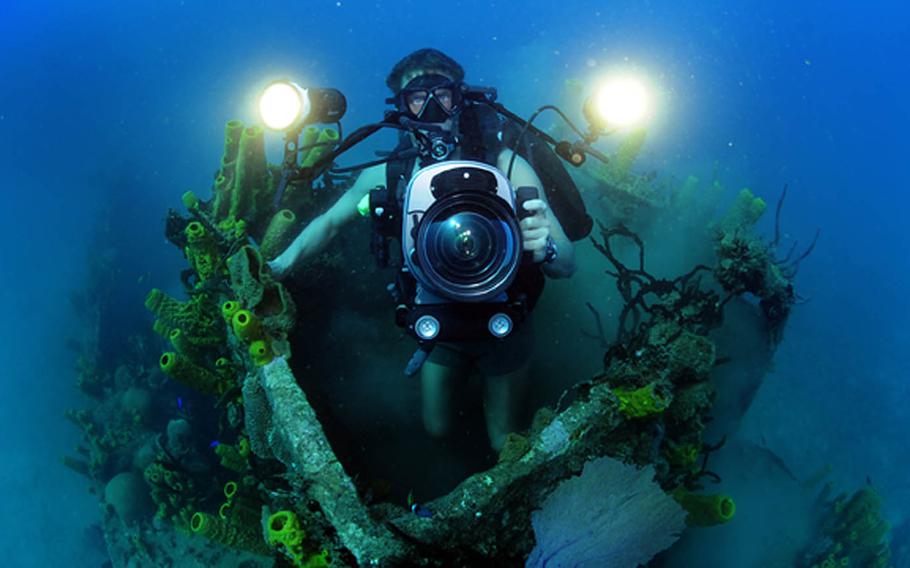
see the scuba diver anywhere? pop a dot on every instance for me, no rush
(491, 263)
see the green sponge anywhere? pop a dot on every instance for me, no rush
(641, 402)
(705, 510)
(246, 326)
(192, 375)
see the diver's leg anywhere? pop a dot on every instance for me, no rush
(439, 387)
(502, 400)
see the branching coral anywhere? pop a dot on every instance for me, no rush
(680, 299)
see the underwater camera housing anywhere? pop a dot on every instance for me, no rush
(461, 243)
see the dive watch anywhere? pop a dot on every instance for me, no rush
(552, 252)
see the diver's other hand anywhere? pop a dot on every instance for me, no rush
(535, 229)
(280, 267)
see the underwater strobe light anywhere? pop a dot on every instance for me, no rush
(285, 105)
(620, 102)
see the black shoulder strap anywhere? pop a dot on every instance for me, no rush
(478, 126)
(562, 193)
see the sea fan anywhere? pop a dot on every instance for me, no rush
(612, 515)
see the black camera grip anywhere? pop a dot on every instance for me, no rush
(523, 194)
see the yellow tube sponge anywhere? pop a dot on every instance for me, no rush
(705, 510)
(230, 489)
(192, 375)
(309, 136)
(197, 319)
(285, 533)
(231, 458)
(224, 183)
(232, 133)
(190, 201)
(181, 343)
(226, 369)
(261, 352)
(246, 326)
(279, 234)
(201, 250)
(251, 173)
(621, 162)
(328, 135)
(228, 309)
(744, 214)
(224, 532)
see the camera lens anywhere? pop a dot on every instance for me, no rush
(464, 245)
(468, 246)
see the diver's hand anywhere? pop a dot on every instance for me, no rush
(280, 267)
(535, 229)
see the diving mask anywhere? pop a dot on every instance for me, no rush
(430, 98)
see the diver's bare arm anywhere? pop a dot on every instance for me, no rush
(523, 175)
(321, 230)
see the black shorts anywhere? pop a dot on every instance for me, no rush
(491, 357)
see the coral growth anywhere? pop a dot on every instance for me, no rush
(850, 531)
(234, 457)
(628, 195)
(172, 490)
(747, 264)
(643, 401)
(284, 533)
(128, 495)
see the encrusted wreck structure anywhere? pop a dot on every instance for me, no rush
(245, 474)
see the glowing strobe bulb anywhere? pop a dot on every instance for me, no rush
(283, 104)
(622, 101)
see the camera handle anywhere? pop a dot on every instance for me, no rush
(523, 194)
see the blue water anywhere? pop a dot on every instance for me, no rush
(122, 105)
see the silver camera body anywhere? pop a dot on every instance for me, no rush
(461, 243)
